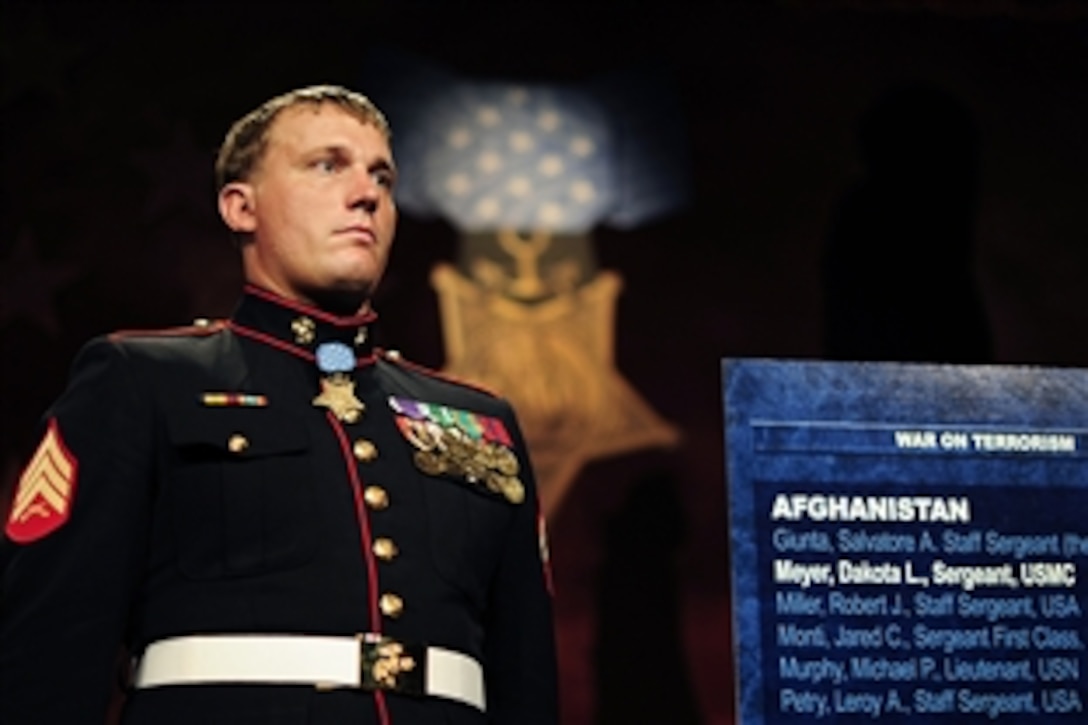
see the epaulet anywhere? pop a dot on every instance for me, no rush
(396, 358)
(201, 327)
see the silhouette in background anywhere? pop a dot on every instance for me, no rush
(897, 271)
(641, 670)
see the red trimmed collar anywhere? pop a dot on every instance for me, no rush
(298, 328)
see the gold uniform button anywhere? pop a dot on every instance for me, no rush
(391, 605)
(364, 450)
(237, 443)
(384, 549)
(376, 497)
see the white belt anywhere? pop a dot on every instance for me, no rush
(367, 661)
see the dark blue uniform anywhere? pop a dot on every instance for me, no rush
(211, 496)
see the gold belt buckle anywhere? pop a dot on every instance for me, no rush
(387, 664)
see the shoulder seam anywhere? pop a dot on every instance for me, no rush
(181, 331)
(397, 359)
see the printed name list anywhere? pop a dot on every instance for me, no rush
(932, 608)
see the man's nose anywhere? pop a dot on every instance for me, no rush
(364, 192)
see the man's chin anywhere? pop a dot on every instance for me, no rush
(342, 299)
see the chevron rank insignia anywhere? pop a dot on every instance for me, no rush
(43, 498)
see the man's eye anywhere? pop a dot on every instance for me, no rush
(385, 179)
(327, 165)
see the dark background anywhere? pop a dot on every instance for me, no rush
(112, 114)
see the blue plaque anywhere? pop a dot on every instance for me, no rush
(909, 542)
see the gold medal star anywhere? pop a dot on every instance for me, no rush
(338, 395)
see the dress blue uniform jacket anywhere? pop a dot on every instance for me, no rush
(212, 496)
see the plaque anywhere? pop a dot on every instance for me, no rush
(909, 542)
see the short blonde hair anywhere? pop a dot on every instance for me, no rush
(245, 144)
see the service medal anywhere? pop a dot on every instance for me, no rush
(504, 461)
(460, 444)
(513, 489)
(430, 462)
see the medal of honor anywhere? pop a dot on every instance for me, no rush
(338, 395)
(335, 359)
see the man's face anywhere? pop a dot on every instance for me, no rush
(322, 216)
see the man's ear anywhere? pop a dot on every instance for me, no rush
(237, 207)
